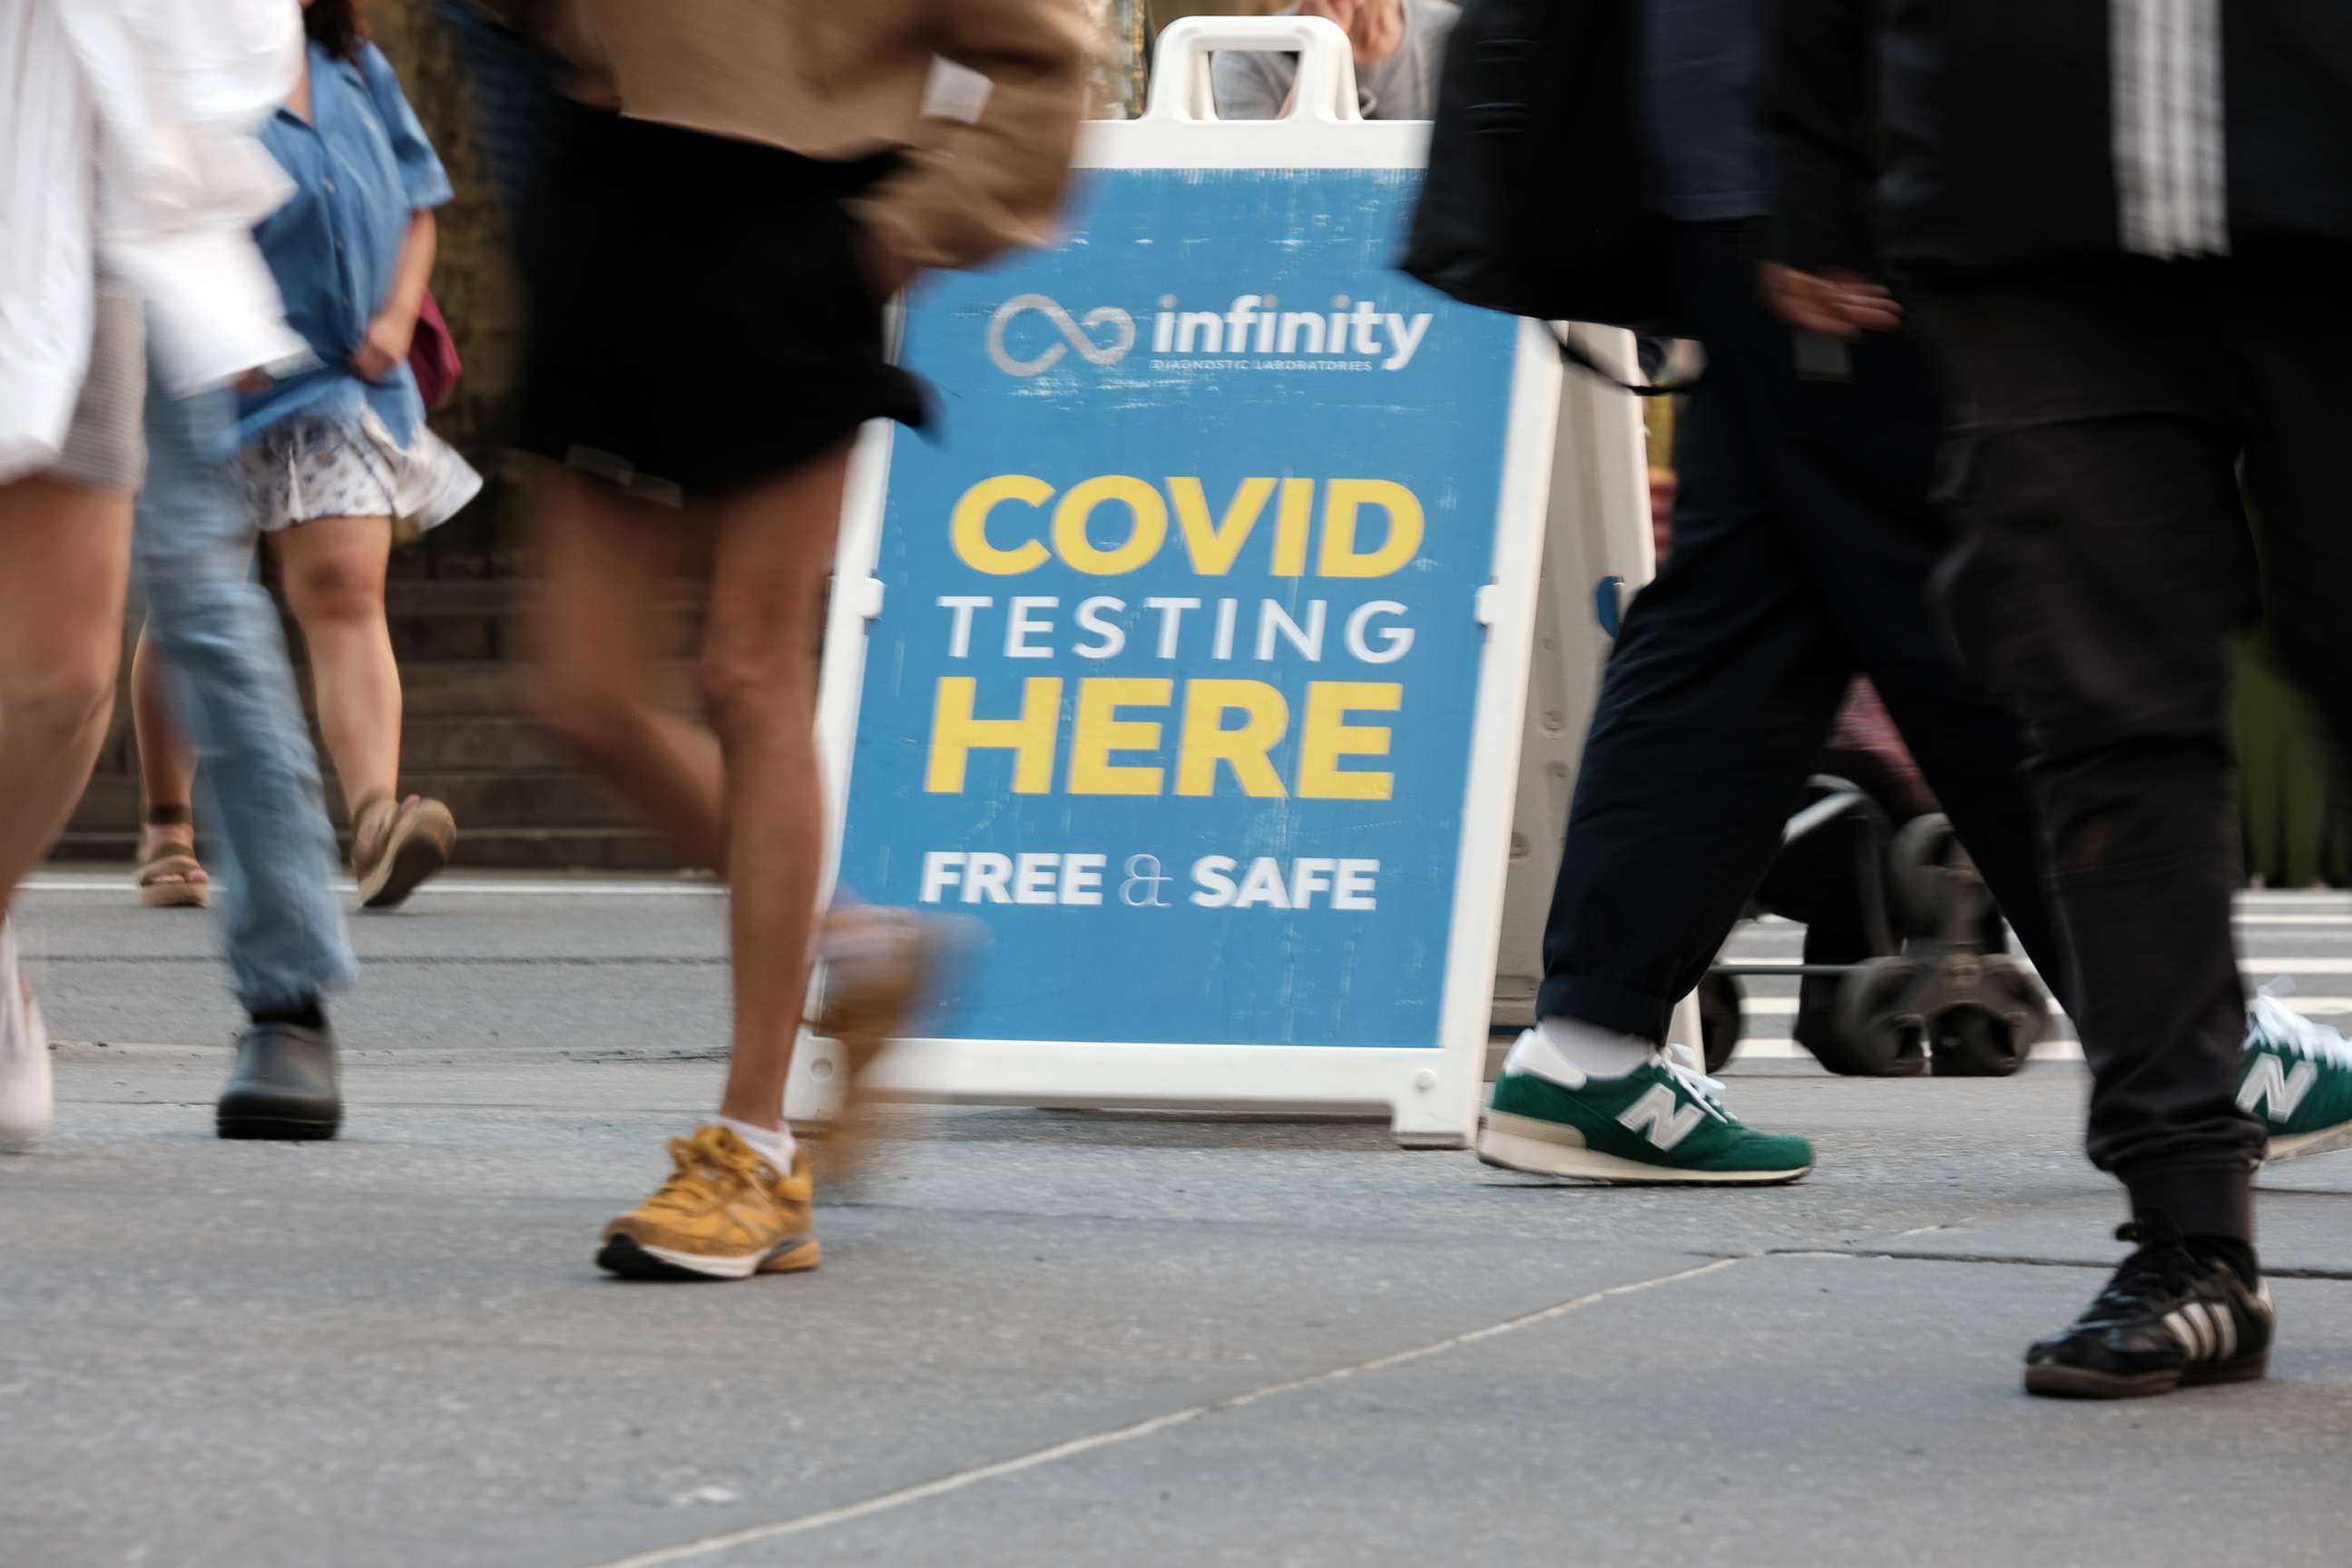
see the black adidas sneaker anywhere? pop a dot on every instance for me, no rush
(2172, 1315)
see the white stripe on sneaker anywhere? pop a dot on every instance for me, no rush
(2210, 175)
(2209, 1338)
(2170, 163)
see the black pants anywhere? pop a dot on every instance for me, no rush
(2112, 426)
(1803, 544)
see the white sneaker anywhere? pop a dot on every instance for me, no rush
(26, 1097)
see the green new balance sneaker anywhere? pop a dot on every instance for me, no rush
(1661, 1123)
(2297, 1077)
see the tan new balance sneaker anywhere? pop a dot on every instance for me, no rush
(724, 1214)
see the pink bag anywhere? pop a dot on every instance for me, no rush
(432, 356)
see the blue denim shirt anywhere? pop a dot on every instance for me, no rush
(362, 169)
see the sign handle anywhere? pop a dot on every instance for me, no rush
(1181, 86)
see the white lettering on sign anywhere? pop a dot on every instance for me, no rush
(984, 876)
(1252, 327)
(1220, 882)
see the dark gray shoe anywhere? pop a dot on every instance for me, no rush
(283, 1085)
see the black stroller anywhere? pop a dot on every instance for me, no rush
(1906, 965)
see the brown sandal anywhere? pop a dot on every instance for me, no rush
(169, 876)
(396, 848)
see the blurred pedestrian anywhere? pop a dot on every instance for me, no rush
(878, 965)
(141, 270)
(2135, 290)
(1398, 46)
(511, 87)
(335, 458)
(1803, 541)
(732, 191)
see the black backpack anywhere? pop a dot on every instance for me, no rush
(1538, 198)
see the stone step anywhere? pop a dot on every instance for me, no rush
(526, 850)
(480, 799)
(470, 738)
(426, 742)
(491, 690)
(443, 622)
(509, 744)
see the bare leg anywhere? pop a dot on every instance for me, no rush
(774, 547)
(167, 763)
(603, 631)
(65, 561)
(334, 570)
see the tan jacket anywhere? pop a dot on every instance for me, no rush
(840, 79)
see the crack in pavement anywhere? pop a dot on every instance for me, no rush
(2013, 1260)
(959, 1480)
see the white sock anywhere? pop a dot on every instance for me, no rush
(773, 1144)
(1567, 1052)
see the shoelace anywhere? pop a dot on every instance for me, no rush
(695, 1183)
(1682, 1065)
(2279, 1025)
(2159, 1269)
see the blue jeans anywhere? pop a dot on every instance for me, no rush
(233, 689)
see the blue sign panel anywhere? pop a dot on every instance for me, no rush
(1173, 680)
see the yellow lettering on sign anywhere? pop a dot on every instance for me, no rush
(955, 734)
(1143, 540)
(1290, 524)
(1213, 545)
(968, 525)
(1343, 498)
(1098, 730)
(1206, 743)
(1327, 736)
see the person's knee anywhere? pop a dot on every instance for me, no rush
(756, 691)
(335, 592)
(49, 701)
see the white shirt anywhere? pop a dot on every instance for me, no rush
(130, 157)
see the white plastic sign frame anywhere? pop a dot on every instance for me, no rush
(1432, 1095)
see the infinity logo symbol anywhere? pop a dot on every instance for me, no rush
(1122, 327)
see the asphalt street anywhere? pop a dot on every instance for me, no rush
(1066, 1337)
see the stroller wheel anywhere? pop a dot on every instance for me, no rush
(1994, 1037)
(1921, 864)
(1875, 1031)
(1720, 1017)
(1969, 1042)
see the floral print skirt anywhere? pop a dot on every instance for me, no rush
(305, 469)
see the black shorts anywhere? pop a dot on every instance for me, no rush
(701, 318)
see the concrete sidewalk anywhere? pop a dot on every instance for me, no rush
(1053, 1337)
